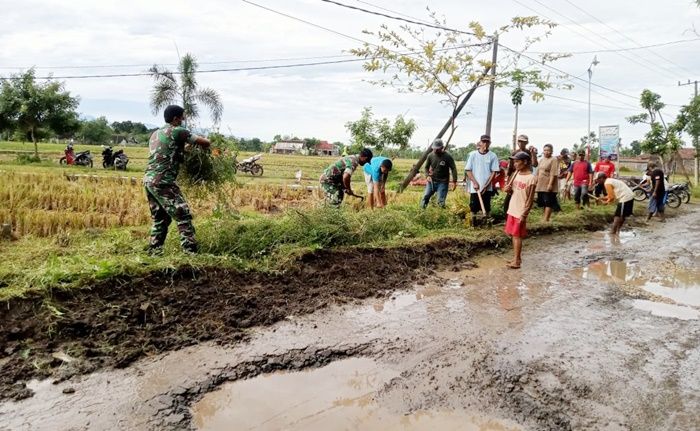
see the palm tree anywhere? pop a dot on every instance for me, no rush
(168, 90)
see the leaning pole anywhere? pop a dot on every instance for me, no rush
(419, 163)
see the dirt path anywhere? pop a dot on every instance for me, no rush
(591, 334)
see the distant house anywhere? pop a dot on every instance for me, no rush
(639, 164)
(324, 148)
(124, 140)
(292, 146)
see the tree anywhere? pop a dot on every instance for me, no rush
(368, 132)
(662, 139)
(96, 131)
(168, 90)
(582, 145)
(310, 144)
(688, 120)
(634, 150)
(33, 108)
(129, 128)
(447, 62)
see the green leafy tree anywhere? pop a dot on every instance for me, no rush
(662, 139)
(448, 63)
(310, 144)
(688, 120)
(634, 150)
(34, 108)
(96, 131)
(130, 128)
(168, 90)
(368, 132)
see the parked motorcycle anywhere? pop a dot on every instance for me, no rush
(83, 158)
(251, 165)
(116, 160)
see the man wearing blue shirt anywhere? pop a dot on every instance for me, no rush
(376, 173)
(482, 165)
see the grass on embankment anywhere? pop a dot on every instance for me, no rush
(246, 242)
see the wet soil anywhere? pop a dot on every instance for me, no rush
(579, 339)
(115, 323)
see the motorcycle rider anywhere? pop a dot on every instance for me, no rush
(165, 200)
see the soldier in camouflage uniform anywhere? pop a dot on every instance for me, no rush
(165, 200)
(335, 180)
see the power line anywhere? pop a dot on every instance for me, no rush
(584, 102)
(625, 36)
(107, 66)
(306, 22)
(237, 69)
(598, 51)
(633, 59)
(410, 21)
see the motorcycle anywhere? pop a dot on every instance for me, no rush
(251, 166)
(83, 158)
(117, 159)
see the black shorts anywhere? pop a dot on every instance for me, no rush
(624, 209)
(548, 200)
(474, 204)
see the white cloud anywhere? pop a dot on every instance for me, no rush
(318, 101)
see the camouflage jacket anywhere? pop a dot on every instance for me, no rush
(334, 173)
(166, 152)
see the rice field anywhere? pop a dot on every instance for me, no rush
(47, 199)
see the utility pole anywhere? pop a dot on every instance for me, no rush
(588, 136)
(450, 122)
(696, 143)
(492, 87)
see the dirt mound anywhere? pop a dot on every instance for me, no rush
(115, 323)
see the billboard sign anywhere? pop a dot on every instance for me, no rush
(609, 141)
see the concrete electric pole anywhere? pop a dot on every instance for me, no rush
(695, 138)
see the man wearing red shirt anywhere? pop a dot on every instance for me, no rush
(582, 171)
(607, 167)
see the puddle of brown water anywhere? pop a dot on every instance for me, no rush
(666, 310)
(681, 286)
(339, 396)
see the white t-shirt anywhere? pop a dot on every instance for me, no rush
(622, 192)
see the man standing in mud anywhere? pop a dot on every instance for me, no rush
(165, 200)
(438, 167)
(616, 190)
(335, 180)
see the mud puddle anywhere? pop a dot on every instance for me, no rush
(670, 291)
(337, 396)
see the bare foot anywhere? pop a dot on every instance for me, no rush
(513, 265)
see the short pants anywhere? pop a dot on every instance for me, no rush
(515, 228)
(624, 209)
(369, 182)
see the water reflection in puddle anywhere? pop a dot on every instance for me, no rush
(680, 286)
(610, 270)
(339, 396)
(666, 310)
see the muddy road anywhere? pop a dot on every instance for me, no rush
(594, 333)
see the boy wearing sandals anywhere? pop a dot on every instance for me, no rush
(522, 191)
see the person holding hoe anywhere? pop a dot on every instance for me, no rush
(481, 167)
(616, 191)
(522, 191)
(335, 180)
(166, 149)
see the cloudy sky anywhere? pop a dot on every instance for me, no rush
(125, 37)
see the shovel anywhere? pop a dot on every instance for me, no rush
(483, 218)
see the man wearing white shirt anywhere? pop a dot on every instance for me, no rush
(617, 191)
(482, 165)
